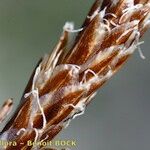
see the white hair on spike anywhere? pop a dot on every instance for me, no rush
(102, 13)
(111, 14)
(69, 27)
(21, 130)
(62, 67)
(90, 97)
(113, 23)
(131, 38)
(36, 137)
(109, 74)
(138, 46)
(78, 110)
(36, 76)
(85, 74)
(107, 22)
(106, 26)
(79, 107)
(41, 109)
(72, 88)
(96, 12)
(141, 53)
(47, 136)
(135, 35)
(128, 12)
(124, 34)
(133, 8)
(35, 94)
(67, 123)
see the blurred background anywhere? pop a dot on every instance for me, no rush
(118, 118)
